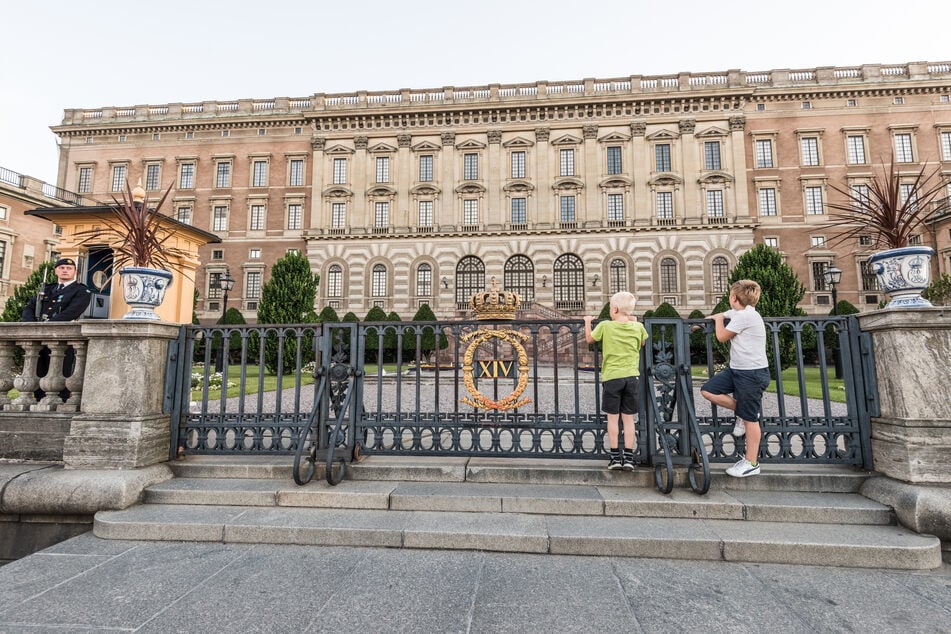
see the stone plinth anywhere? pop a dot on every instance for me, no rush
(122, 425)
(911, 438)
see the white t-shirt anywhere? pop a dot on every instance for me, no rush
(748, 346)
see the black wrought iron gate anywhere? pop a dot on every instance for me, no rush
(521, 389)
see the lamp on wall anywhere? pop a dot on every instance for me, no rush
(594, 280)
(445, 282)
(544, 281)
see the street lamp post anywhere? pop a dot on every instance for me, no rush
(225, 283)
(833, 275)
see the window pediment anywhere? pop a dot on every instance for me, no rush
(518, 142)
(711, 133)
(665, 179)
(336, 191)
(614, 137)
(518, 186)
(470, 188)
(426, 146)
(568, 182)
(339, 149)
(715, 177)
(615, 181)
(381, 190)
(425, 190)
(382, 148)
(567, 139)
(662, 135)
(470, 144)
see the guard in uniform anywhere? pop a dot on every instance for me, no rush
(64, 300)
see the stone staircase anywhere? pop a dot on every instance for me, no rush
(797, 515)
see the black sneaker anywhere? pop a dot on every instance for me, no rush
(629, 463)
(616, 462)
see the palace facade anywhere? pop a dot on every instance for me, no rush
(565, 192)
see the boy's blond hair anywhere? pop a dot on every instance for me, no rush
(746, 291)
(624, 302)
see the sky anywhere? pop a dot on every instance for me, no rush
(61, 54)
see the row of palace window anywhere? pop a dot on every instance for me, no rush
(856, 145)
(519, 275)
(258, 176)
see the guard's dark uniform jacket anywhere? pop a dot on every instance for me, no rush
(65, 305)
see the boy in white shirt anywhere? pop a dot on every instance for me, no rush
(740, 387)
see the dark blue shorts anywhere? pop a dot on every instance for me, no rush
(619, 396)
(747, 388)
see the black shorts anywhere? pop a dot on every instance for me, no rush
(746, 386)
(619, 396)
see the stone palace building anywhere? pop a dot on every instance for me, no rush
(564, 191)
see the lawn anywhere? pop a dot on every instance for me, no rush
(791, 383)
(252, 375)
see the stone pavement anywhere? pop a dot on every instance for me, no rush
(88, 584)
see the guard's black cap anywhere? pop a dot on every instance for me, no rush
(62, 261)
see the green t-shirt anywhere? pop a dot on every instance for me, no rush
(621, 343)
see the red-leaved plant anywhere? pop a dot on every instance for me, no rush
(889, 214)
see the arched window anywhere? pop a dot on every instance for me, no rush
(470, 278)
(335, 281)
(378, 284)
(519, 276)
(668, 275)
(568, 284)
(617, 271)
(719, 273)
(424, 280)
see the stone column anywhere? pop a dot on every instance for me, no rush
(911, 436)
(122, 425)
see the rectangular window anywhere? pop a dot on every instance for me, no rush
(85, 180)
(946, 146)
(614, 159)
(425, 213)
(214, 285)
(334, 281)
(254, 254)
(615, 208)
(297, 173)
(711, 155)
(906, 191)
(252, 284)
(340, 171)
(771, 242)
(662, 157)
(186, 176)
(257, 218)
(809, 146)
(903, 153)
(184, 215)
(470, 212)
(665, 205)
(383, 169)
(567, 163)
(859, 195)
(259, 176)
(338, 215)
(223, 174)
(869, 279)
(767, 201)
(426, 168)
(856, 147)
(818, 242)
(470, 167)
(814, 201)
(518, 164)
(819, 276)
(764, 153)
(152, 175)
(715, 203)
(295, 214)
(519, 211)
(118, 178)
(424, 281)
(567, 208)
(381, 217)
(217, 254)
(219, 218)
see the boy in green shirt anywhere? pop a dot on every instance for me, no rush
(621, 341)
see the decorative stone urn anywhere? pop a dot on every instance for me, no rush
(144, 290)
(903, 274)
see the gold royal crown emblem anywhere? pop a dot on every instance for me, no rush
(495, 304)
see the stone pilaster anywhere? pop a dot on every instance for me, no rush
(122, 425)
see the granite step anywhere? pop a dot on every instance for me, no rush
(676, 538)
(544, 499)
(774, 477)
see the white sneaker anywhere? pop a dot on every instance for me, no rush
(743, 469)
(739, 428)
